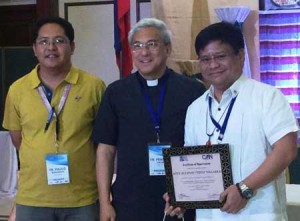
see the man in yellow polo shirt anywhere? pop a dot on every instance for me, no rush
(49, 113)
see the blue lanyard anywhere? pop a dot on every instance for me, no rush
(156, 115)
(51, 109)
(217, 125)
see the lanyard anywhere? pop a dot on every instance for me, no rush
(224, 125)
(51, 110)
(156, 115)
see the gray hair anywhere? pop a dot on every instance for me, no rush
(164, 32)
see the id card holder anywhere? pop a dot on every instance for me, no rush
(57, 166)
(156, 161)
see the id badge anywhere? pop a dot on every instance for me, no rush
(156, 161)
(57, 166)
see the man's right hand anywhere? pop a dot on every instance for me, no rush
(170, 210)
(107, 213)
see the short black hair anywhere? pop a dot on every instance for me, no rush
(67, 26)
(223, 31)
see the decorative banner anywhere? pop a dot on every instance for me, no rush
(278, 4)
(280, 53)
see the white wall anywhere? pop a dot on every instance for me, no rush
(94, 41)
(94, 34)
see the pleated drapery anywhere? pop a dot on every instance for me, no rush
(236, 15)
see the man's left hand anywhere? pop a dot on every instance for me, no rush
(232, 199)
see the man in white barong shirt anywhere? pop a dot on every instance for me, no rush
(261, 130)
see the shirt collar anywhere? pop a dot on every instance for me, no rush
(160, 80)
(232, 91)
(71, 78)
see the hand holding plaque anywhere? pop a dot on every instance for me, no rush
(197, 175)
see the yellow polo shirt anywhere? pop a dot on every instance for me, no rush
(26, 112)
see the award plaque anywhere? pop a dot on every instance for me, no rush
(197, 175)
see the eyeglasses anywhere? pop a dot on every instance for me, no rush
(150, 45)
(56, 41)
(217, 58)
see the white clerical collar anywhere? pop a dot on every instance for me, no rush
(152, 83)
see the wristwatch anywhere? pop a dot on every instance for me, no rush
(244, 190)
